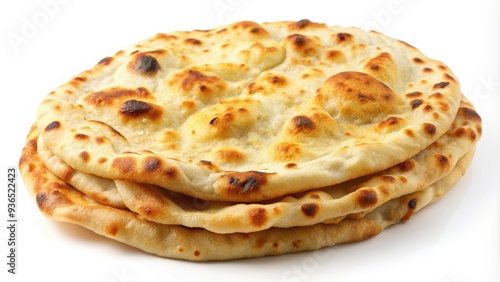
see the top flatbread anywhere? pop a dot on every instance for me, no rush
(248, 112)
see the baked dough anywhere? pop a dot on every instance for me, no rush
(249, 112)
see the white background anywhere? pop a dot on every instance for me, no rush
(454, 240)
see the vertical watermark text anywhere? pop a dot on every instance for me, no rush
(12, 220)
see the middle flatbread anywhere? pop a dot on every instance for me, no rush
(332, 203)
(353, 198)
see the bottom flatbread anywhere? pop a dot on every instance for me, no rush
(60, 201)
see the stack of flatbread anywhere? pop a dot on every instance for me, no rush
(250, 139)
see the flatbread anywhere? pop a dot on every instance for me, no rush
(250, 112)
(353, 198)
(58, 200)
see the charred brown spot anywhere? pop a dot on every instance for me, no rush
(53, 125)
(291, 165)
(152, 164)
(409, 132)
(427, 108)
(416, 103)
(277, 80)
(414, 94)
(442, 84)
(105, 61)
(146, 210)
(342, 36)
(471, 135)
(134, 108)
(335, 55)
(363, 98)
(49, 200)
(297, 243)
(437, 95)
(412, 204)
(258, 216)
(84, 155)
(101, 140)
(310, 209)
(392, 120)
(428, 70)
(443, 106)
(170, 172)
(208, 164)
(469, 114)
(193, 41)
(80, 79)
(429, 128)
(298, 39)
(418, 60)
(406, 166)
(196, 253)
(367, 198)
(111, 229)
(41, 201)
(80, 136)
(147, 65)
(255, 30)
(302, 23)
(214, 120)
(389, 122)
(388, 178)
(245, 182)
(102, 160)
(125, 164)
(41, 198)
(442, 160)
(302, 123)
(260, 242)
